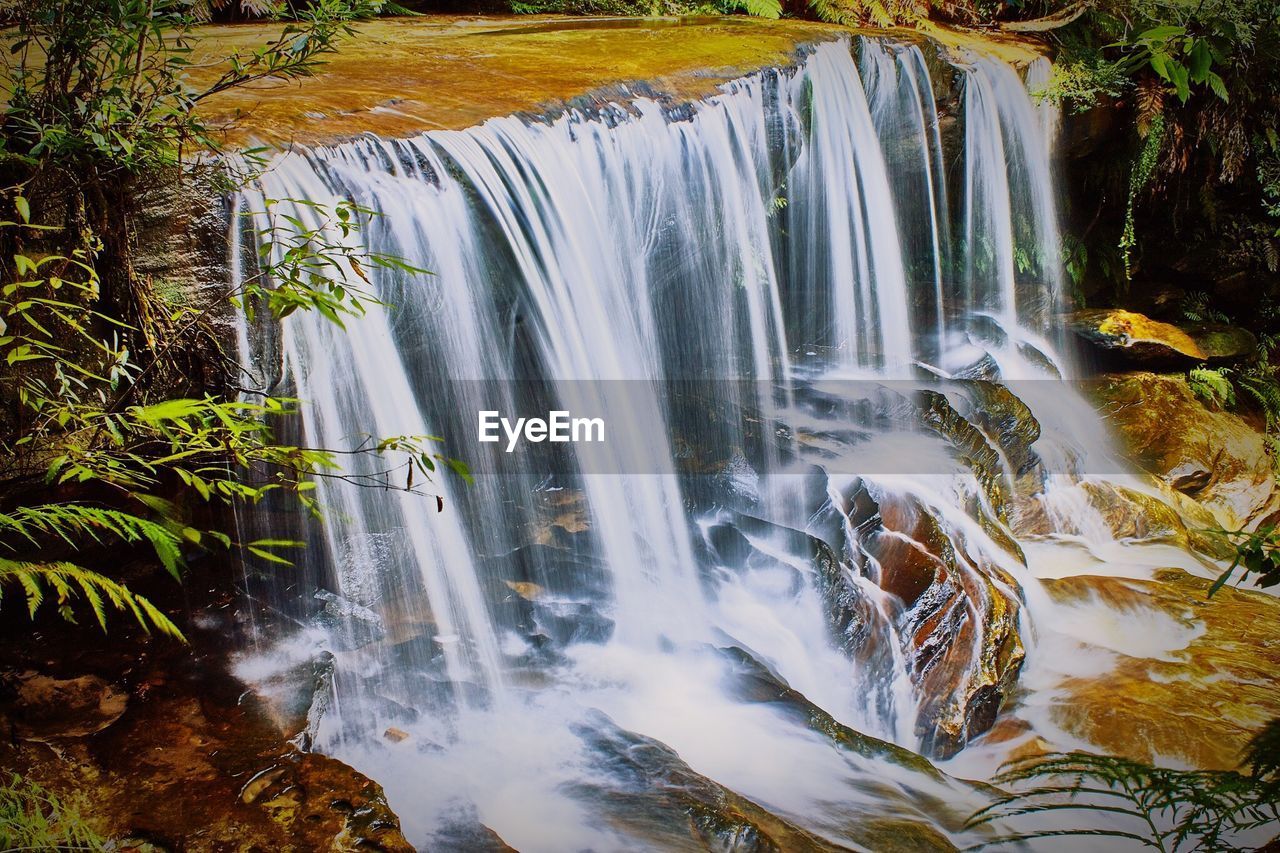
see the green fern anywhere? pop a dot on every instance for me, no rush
(1213, 385)
(1262, 754)
(68, 582)
(32, 818)
(70, 521)
(771, 9)
(1264, 389)
(1167, 810)
(1196, 308)
(877, 13)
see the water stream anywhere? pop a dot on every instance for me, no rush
(759, 293)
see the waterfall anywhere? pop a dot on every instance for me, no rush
(1011, 243)
(749, 288)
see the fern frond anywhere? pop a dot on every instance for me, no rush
(1150, 102)
(1179, 807)
(771, 9)
(1265, 390)
(70, 522)
(1212, 385)
(67, 581)
(1262, 753)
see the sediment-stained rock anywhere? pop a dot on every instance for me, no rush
(958, 623)
(1196, 705)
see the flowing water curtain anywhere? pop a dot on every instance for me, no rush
(900, 95)
(1011, 243)
(628, 247)
(851, 259)
(402, 573)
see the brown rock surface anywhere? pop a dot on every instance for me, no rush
(961, 621)
(1197, 705)
(157, 743)
(1216, 458)
(405, 76)
(1136, 336)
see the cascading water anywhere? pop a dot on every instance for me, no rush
(788, 246)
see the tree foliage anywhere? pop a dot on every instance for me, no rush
(105, 438)
(1197, 85)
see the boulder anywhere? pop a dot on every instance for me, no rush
(1221, 343)
(1133, 339)
(1136, 338)
(48, 709)
(1218, 459)
(1197, 705)
(958, 625)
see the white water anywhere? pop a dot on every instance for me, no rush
(791, 234)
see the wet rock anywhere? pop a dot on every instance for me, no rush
(466, 832)
(752, 681)
(848, 613)
(971, 444)
(1135, 338)
(1138, 340)
(349, 623)
(1197, 704)
(298, 697)
(1003, 416)
(730, 548)
(959, 620)
(1218, 459)
(1134, 515)
(654, 795)
(49, 709)
(160, 745)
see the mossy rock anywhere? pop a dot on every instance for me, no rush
(1224, 344)
(1135, 338)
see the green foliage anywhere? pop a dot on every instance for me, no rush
(876, 13)
(1166, 810)
(759, 8)
(104, 82)
(69, 582)
(1197, 308)
(1176, 56)
(1139, 178)
(1081, 84)
(1198, 86)
(1257, 552)
(31, 818)
(1262, 754)
(1212, 385)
